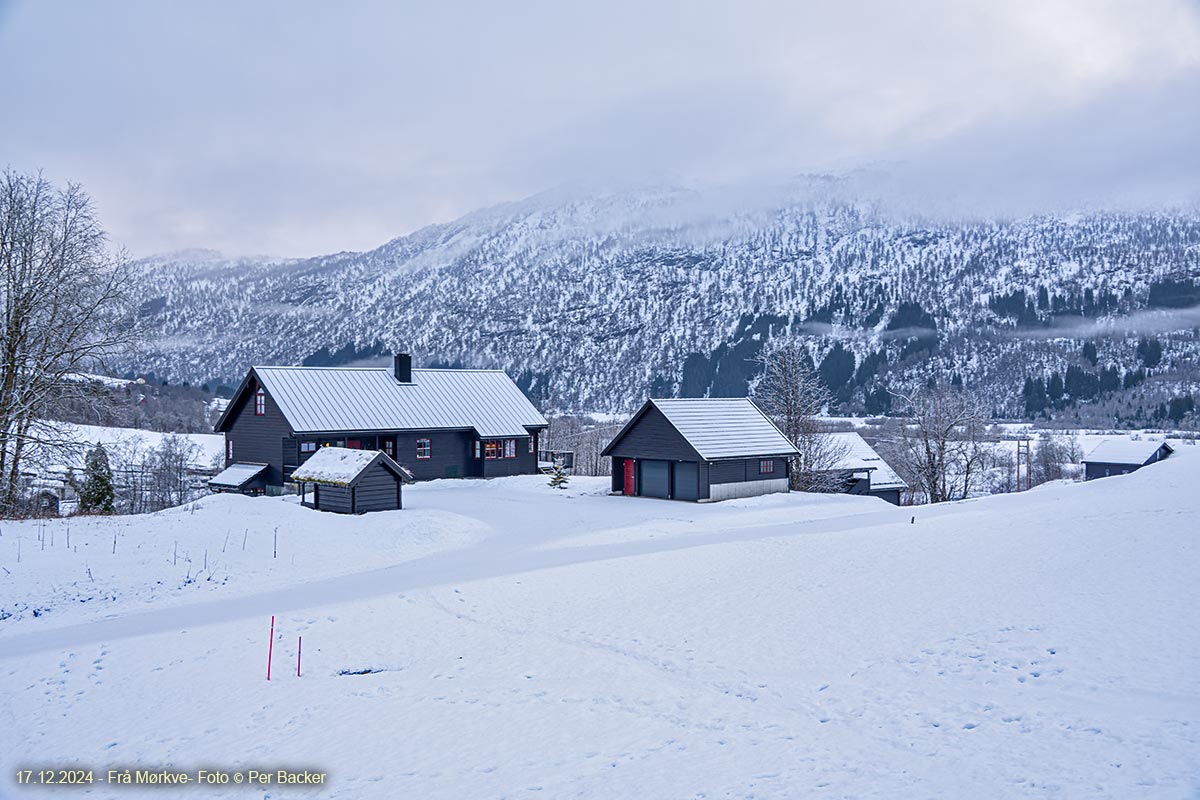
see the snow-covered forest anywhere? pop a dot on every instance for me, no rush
(594, 301)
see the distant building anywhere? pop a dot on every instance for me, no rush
(701, 450)
(351, 481)
(437, 423)
(865, 472)
(1122, 456)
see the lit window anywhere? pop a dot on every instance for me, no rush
(308, 447)
(766, 466)
(260, 402)
(510, 448)
(424, 449)
(229, 449)
(491, 450)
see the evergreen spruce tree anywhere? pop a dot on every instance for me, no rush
(96, 494)
(559, 477)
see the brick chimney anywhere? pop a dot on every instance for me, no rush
(402, 367)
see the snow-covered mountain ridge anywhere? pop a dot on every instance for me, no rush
(595, 300)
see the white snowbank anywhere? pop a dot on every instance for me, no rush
(1028, 645)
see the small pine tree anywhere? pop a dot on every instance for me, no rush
(96, 494)
(559, 477)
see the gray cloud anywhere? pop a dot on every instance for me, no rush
(299, 128)
(1140, 322)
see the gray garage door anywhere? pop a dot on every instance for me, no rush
(655, 479)
(687, 480)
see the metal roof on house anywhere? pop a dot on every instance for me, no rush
(235, 476)
(720, 427)
(329, 399)
(1125, 451)
(861, 456)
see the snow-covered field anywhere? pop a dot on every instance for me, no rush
(211, 445)
(499, 639)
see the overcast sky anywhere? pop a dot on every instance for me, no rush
(295, 128)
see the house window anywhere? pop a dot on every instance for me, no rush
(260, 402)
(308, 447)
(477, 448)
(766, 466)
(424, 449)
(491, 449)
(389, 447)
(533, 443)
(229, 449)
(510, 448)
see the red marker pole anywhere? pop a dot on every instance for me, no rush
(270, 647)
(299, 641)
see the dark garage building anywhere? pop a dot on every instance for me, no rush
(436, 423)
(1121, 456)
(351, 481)
(699, 449)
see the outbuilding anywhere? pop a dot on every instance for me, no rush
(1121, 456)
(240, 477)
(701, 450)
(864, 470)
(350, 481)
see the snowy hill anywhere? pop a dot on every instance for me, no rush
(1029, 645)
(595, 299)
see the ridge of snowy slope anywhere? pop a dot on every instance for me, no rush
(1035, 645)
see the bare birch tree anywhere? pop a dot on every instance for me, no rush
(64, 307)
(943, 450)
(792, 395)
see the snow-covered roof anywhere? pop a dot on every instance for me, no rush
(861, 456)
(328, 399)
(236, 475)
(339, 466)
(1125, 451)
(720, 427)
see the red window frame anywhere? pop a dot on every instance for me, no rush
(424, 449)
(260, 402)
(766, 466)
(492, 449)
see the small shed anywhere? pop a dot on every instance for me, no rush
(238, 477)
(701, 450)
(865, 470)
(350, 481)
(1122, 456)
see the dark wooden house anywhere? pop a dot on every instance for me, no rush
(437, 423)
(351, 481)
(1122, 456)
(863, 470)
(700, 450)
